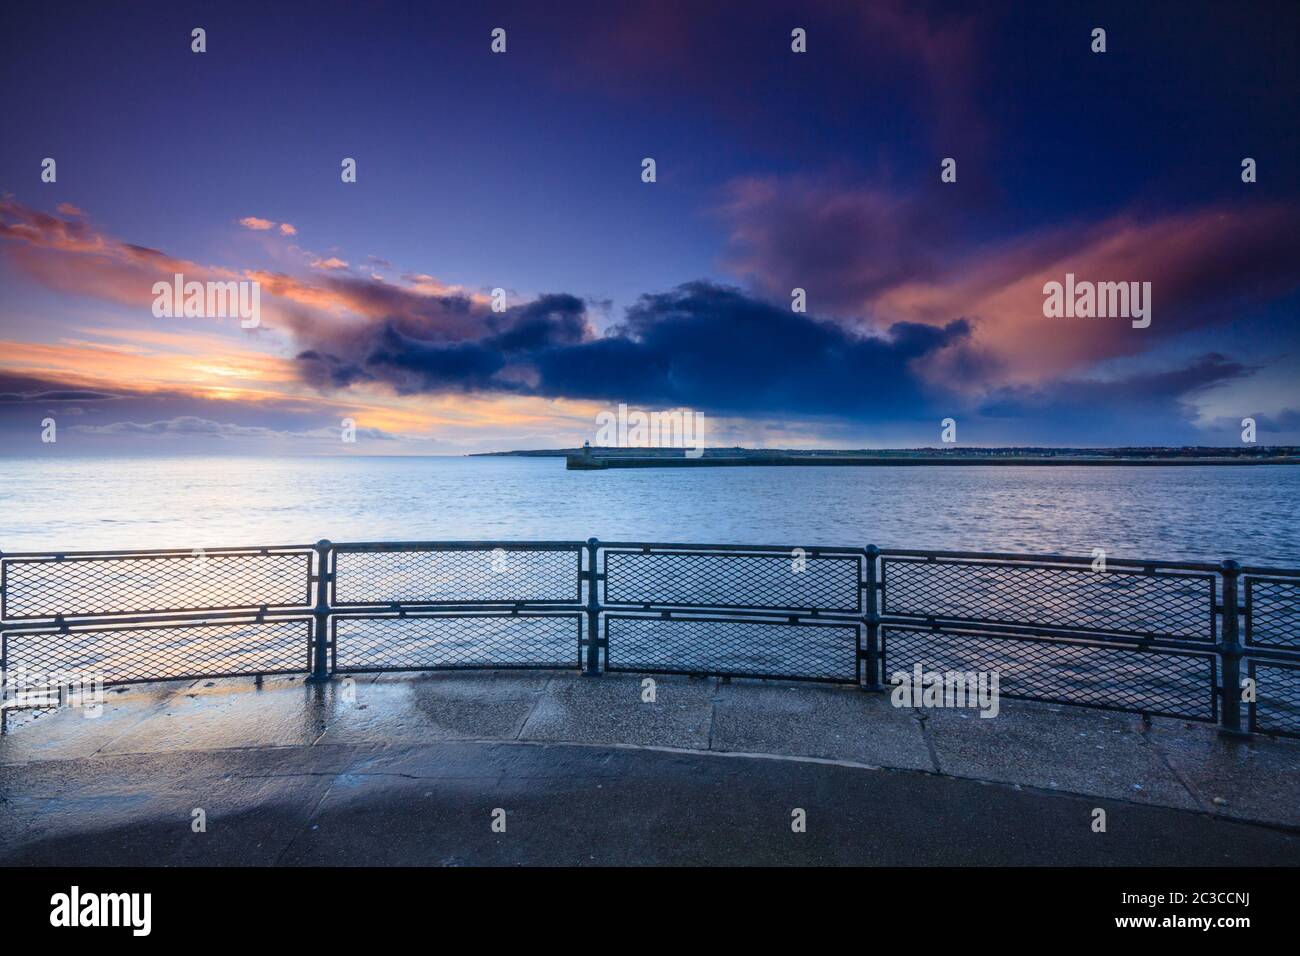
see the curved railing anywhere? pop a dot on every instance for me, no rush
(1208, 642)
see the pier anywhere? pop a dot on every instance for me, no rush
(603, 458)
(380, 701)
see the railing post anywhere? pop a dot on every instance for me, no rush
(320, 663)
(1230, 655)
(872, 621)
(592, 668)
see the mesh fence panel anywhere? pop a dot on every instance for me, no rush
(1277, 706)
(457, 576)
(1178, 685)
(128, 654)
(76, 587)
(427, 643)
(826, 652)
(693, 579)
(1179, 605)
(1273, 612)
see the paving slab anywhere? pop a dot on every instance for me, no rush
(610, 709)
(74, 731)
(236, 712)
(1056, 748)
(1255, 779)
(441, 706)
(836, 723)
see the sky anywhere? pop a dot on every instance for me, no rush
(523, 171)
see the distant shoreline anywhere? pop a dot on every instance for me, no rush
(601, 458)
(581, 462)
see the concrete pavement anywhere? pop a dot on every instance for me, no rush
(409, 769)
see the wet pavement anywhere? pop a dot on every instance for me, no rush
(428, 769)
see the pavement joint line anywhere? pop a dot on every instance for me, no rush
(537, 701)
(927, 736)
(152, 712)
(306, 823)
(713, 713)
(1205, 805)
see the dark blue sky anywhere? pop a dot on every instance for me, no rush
(775, 170)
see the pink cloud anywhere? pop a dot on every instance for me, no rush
(256, 224)
(878, 258)
(287, 230)
(68, 255)
(1204, 267)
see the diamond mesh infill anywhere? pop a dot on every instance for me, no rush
(1119, 602)
(429, 642)
(1114, 678)
(164, 652)
(145, 584)
(795, 581)
(1277, 705)
(749, 648)
(457, 576)
(1273, 612)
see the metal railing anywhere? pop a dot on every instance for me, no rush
(1195, 641)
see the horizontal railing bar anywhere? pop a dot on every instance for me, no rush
(845, 551)
(1273, 655)
(359, 607)
(213, 675)
(1046, 558)
(679, 611)
(102, 622)
(431, 668)
(1255, 572)
(107, 616)
(365, 547)
(706, 672)
(925, 620)
(464, 611)
(1060, 635)
(155, 553)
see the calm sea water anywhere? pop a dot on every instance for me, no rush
(1189, 513)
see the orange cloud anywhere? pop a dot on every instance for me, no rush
(256, 224)
(879, 258)
(66, 254)
(1202, 266)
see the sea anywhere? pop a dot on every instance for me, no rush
(1188, 513)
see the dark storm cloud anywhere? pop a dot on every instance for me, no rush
(702, 345)
(1147, 396)
(413, 357)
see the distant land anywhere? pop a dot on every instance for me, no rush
(596, 458)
